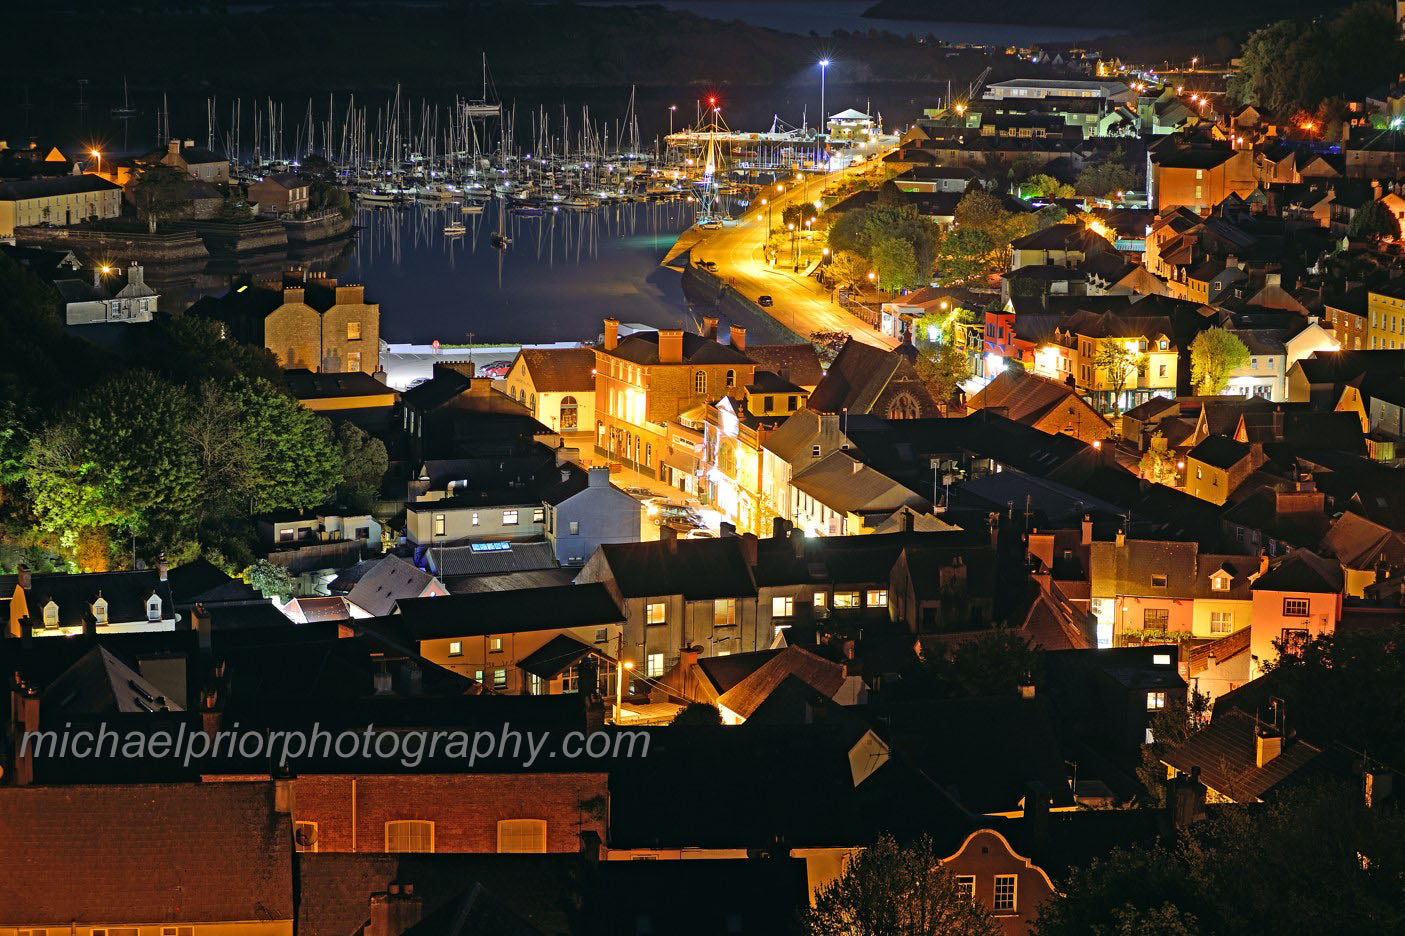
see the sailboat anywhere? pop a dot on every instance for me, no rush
(499, 237)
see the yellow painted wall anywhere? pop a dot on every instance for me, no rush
(1200, 615)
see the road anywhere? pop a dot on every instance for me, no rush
(800, 303)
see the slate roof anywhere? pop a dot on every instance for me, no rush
(101, 684)
(306, 385)
(1062, 237)
(768, 382)
(1359, 543)
(859, 375)
(387, 581)
(697, 569)
(643, 348)
(798, 363)
(1302, 570)
(794, 439)
(172, 854)
(1225, 752)
(1220, 451)
(125, 593)
(518, 557)
(54, 186)
(824, 676)
(560, 370)
(1027, 398)
(845, 484)
(495, 612)
(556, 655)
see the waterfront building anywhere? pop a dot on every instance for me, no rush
(557, 385)
(61, 200)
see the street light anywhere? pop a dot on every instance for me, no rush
(620, 667)
(824, 118)
(98, 156)
(671, 109)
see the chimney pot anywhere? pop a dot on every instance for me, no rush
(612, 333)
(670, 346)
(738, 337)
(26, 578)
(710, 326)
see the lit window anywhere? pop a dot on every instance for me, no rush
(1155, 701)
(1158, 581)
(1221, 622)
(575, 527)
(654, 613)
(819, 600)
(409, 835)
(353, 361)
(1219, 583)
(782, 607)
(846, 599)
(438, 524)
(878, 598)
(475, 518)
(100, 610)
(700, 383)
(814, 451)
(724, 612)
(1295, 607)
(1161, 659)
(353, 331)
(456, 648)
(1005, 893)
(519, 836)
(495, 645)
(653, 664)
(499, 678)
(153, 608)
(966, 885)
(509, 518)
(539, 515)
(1156, 619)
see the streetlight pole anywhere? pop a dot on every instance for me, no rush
(620, 667)
(671, 109)
(824, 117)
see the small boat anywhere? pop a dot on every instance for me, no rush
(455, 228)
(471, 208)
(378, 197)
(529, 211)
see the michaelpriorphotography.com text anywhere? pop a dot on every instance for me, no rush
(405, 747)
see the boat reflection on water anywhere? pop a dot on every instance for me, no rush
(550, 276)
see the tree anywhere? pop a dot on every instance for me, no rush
(997, 662)
(272, 581)
(893, 890)
(1119, 363)
(1047, 186)
(828, 344)
(296, 464)
(1214, 355)
(966, 254)
(698, 714)
(943, 369)
(895, 264)
(848, 268)
(364, 463)
(794, 214)
(1158, 462)
(223, 452)
(158, 193)
(1373, 221)
(1170, 727)
(1111, 175)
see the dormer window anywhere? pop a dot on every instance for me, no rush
(51, 614)
(153, 608)
(1219, 583)
(100, 610)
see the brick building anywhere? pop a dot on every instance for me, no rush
(448, 813)
(648, 378)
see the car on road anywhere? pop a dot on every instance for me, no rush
(700, 533)
(638, 493)
(764, 300)
(495, 369)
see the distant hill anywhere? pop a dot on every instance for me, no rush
(1116, 15)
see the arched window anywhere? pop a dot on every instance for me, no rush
(533, 404)
(569, 409)
(648, 453)
(731, 378)
(522, 836)
(409, 835)
(902, 407)
(700, 383)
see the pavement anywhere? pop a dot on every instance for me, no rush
(799, 302)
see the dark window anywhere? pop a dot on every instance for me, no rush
(1156, 619)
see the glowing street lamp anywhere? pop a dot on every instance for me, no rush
(824, 117)
(671, 109)
(98, 156)
(620, 668)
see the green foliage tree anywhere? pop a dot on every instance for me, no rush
(296, 463)
(1109, 176)
(698, 714)
(894, 890)
(327, 196)
(272, 581)
(158, 193)
(1119, 363)
(943, 369)
(966, 255)
(847, 268)
(1159, 462)
(1373, 221)
(896, 266)
(828, 344)
(1048, 216)
(997, 662)
(1215, 354)
(861, 229)
(1170, 727)
(364, 463)
(1046, 186)
(794, 215)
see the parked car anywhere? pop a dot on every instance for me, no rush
(700, 533)
(495, 369)
(763, 300)
(643, 495)
(675, 515)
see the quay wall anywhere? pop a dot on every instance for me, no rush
(166, 247)
(707, 290)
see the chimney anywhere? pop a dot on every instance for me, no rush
(738, 337)
(670, 346)
(210, 715)
(293, 295)
(24, 714)
(1186, 799)
(173, 147)
(1268, 744)
(136, 276)
(748, 547)
(396, 911)
(161, 567)
(1121, 538)
(283, 795)
(908, 520)
(612, 333)
(350, 295)
(97, 277)
(688, 657)
(727, 528)
(598, 477)
(797, 543)
(780, 527)
(26, 578)
(1036, 811)
(1087, 538)
(710, 327)
(1263, 563)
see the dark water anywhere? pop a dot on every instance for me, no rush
(562, 274)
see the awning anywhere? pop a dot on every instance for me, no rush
(682, 461)
(557, 655)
